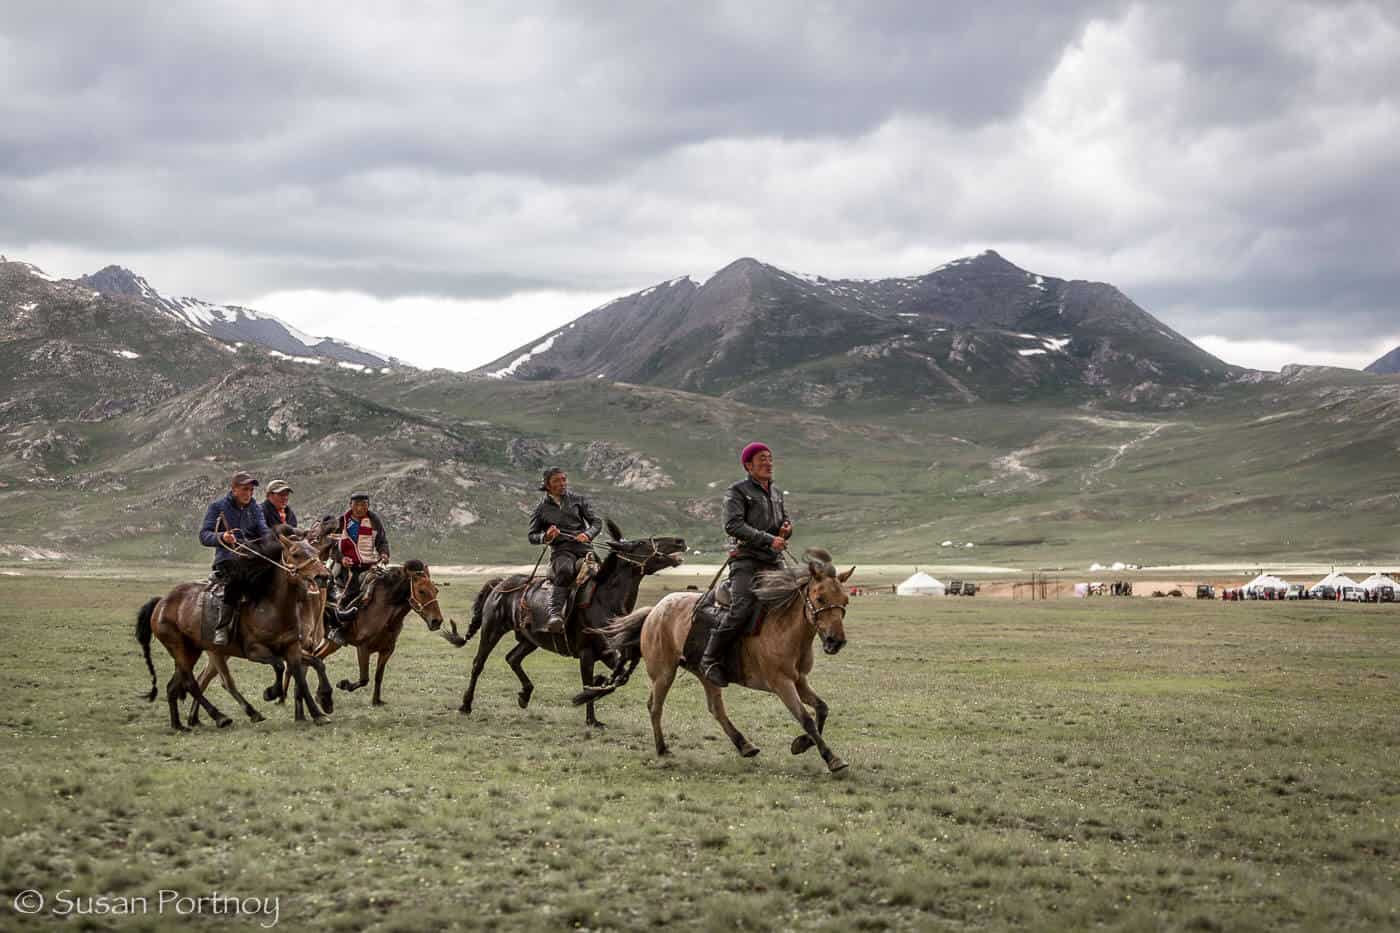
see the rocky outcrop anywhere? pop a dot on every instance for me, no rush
(625, 468)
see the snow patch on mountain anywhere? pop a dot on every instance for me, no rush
(523, 358)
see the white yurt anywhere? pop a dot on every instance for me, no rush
(1335, 580)
(1266, 582)
(920, 584)
(1377, 580)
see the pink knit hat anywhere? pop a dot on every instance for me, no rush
(751, 451)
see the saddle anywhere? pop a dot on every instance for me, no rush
(207, 605)
(710, 611)
(532, 608)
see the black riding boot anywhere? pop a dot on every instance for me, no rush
(721, 637)
(227, 613)
(558, 600)
(338, 620)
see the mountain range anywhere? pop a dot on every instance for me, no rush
(976, 329)
(121, 417)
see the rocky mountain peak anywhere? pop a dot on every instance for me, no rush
(117, 280)
(1386, 365)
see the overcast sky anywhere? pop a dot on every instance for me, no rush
(445, 184)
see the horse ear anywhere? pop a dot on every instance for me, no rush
(614, 532)
(287, 542)
(847, 575)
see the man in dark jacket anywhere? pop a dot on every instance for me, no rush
(230, 520)
(756, 520)
(567, 524)
(364, 543)
(277, 508)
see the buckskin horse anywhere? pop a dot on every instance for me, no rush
(619, 578)
(798, 603)
(283, 579)
(377, 625)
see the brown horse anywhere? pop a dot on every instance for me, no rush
(282, 579)
(313, 630)
(380, 620)
(799, 604)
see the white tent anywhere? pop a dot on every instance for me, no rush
(1335, 580)
(1265, 582)
(920, 584)
(1377, 580)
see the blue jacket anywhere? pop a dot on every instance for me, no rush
(246, 522)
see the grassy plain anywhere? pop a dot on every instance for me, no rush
(1126, 765)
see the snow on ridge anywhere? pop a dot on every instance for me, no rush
(1029, 336)
(127, 354)
(523, 358)
(1055, 343)
(310, 360)
(39, 273)
(1035, 352)
(29, 306)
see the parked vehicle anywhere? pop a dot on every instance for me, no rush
(1205, 591)
(1296, 591)
(1385, 594)
(1324, 592)
(1353, 594)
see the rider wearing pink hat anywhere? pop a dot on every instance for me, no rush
(756, 521)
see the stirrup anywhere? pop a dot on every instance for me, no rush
(220, 637)
(714, 672)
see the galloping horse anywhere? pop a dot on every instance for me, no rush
(799, 604)
(312, 632)
(618, 581)
(380, 620)
(283, 583)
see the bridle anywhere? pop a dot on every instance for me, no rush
(642, 563)
(813, 611)
(293, 570)
(413, 597)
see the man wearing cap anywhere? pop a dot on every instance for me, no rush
(567, 524)
(364, 542)
(276, 507)
(229, 520)
(756, 520)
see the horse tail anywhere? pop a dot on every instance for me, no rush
(143, 635)
(623, 634)
(479, 606)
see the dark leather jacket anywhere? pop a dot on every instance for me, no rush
(245, 521)
(571, 515)
(752, 517)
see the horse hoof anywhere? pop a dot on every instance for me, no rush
(464, 710)
(595, 724)
(321, 720)
(837, 763)
(748, 751)
(801, 744)
(271, 693)
(181, 728)
(523, 698)
(223, 722)
(377, 703)
(327, 702)
(663, 752)
(257, 717)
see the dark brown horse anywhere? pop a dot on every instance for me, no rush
(380, 620)
(313, 631)
(619, 579)
(800, 604)
(282, 579)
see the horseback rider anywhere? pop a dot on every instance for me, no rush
(364, 543)
(756, 520)
(567, 524)
(229, 521)
(277, 509)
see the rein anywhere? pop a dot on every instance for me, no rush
(292, 570)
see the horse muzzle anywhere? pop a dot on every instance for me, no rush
(832, 645)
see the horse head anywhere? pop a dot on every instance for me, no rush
(651, 554)
(423, 593)
(300, 558)
(826, 599)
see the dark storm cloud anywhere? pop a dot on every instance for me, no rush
(1203, 156)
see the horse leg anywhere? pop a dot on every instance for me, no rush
(484, 647)
(206, 676)
(384, 657)
(190, 654)
(714, 699)
(220, 664)
(809, 696)
(278, 690)
(174, 693)
(585, 671)
(661, 681)
(787, 692)
(517, 654)
(303, 688)
(346, 685)
(324, 695)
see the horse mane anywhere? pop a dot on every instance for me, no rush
(255, 575)
(776, 588)
(398, 581)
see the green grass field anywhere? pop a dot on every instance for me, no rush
(1133, 765)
